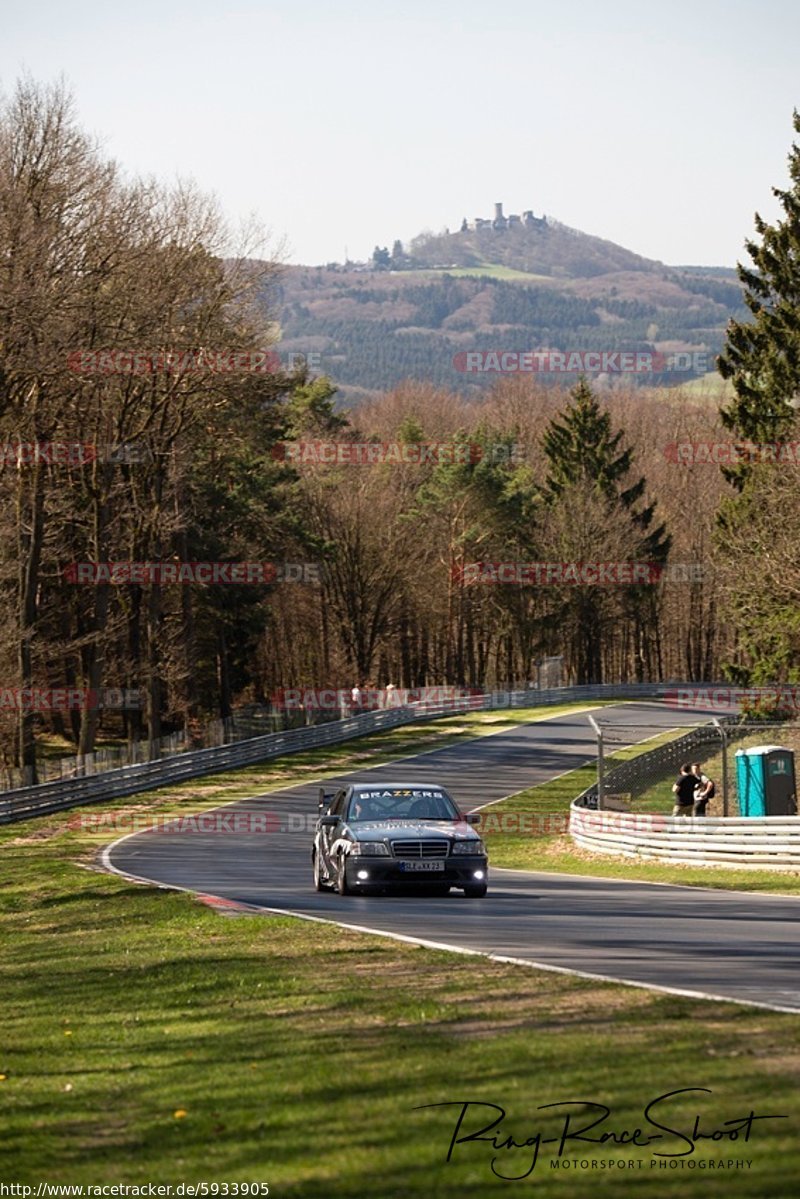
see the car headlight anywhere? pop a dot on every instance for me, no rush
(472, 845)
(370, 849)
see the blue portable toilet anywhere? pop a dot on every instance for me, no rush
(765, 781)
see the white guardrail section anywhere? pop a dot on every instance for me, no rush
(752, 841)
(44, 798)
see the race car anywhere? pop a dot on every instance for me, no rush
(371, 837)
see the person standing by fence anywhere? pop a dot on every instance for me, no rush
(683, 789)
(704, 790)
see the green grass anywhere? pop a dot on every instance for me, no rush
(298, 1052)
(146, 1038)
(489, 270)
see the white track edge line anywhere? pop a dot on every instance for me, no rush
(440, 945)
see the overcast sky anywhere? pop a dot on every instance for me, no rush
(342, 125)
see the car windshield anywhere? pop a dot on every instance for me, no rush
(402, 803)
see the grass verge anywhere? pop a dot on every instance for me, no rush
(146, 1038)
(545, 844)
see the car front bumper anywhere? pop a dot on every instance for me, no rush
(365, 873)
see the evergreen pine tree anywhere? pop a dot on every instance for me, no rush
(586, 463)
(762, 355)
(581, 448)
(756, 531)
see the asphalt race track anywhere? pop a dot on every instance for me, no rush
(734, 946)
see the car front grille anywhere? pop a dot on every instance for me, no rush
(420, 849)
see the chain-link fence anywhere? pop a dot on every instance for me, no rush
(296, 708)
(638, 763)
(253, 721)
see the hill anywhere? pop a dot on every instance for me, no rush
(541, 247)
(416, 312)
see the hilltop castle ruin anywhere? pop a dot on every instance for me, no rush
(500, 222)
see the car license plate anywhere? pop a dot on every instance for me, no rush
(413, 866)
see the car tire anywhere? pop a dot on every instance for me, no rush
(476, 892)
(341, 878)
(320, 884)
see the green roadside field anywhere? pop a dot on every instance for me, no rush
(489, 270)
(147, 1038)
(708, 386)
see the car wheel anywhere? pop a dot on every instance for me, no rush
(476, 892)
(320, 884)
(341, 878)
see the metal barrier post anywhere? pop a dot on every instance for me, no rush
(724, 740)
(600, 762)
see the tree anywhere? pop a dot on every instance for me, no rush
(581, 448)
(758, 576)
(88, 263)
(756, 533)
(478, 509)
(597, 510)
(55, 201)
(762, 355)
(380, 259)
(399, 256)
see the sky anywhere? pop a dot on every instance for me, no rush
(343, 125)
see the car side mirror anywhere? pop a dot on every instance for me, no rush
(325, 798)
(329, 821)
(472, 817)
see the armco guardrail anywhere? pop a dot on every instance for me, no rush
(768, 841)
(56, 796)
(114, 784)
(757, 842)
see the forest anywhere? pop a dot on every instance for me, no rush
(146, 431)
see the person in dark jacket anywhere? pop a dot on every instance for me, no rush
(683, 788)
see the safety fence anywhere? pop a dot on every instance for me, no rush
(619, 815)
(757, 842)
(638, 775)
(289, 708)
(89, 786)
(253, 721)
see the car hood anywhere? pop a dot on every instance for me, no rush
(373, 830)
